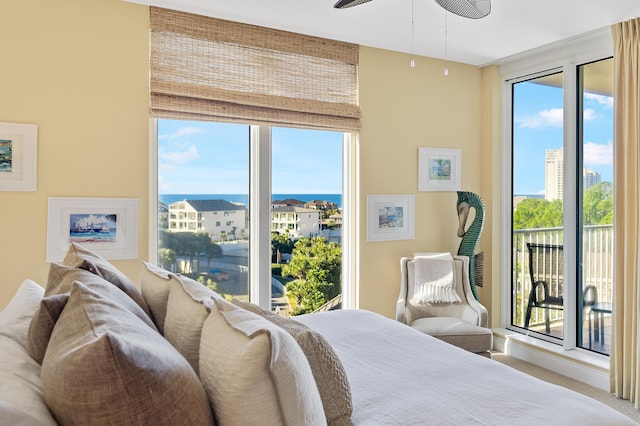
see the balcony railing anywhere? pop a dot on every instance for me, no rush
(597, 267)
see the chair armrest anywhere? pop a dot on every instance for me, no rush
(476, 313)
(402, 296)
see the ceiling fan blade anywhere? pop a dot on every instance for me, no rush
(343, 4)
(474, 9)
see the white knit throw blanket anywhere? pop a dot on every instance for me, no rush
(434, 281)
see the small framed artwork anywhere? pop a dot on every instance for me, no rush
(440, 169)
(390, 217)
(18, 157)
(107, 226)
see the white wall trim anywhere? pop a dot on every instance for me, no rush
(578, 364)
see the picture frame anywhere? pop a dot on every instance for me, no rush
(390, 217)
(18, 157)
(106, 226)
(440, 169)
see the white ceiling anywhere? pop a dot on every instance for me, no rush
(514, 26)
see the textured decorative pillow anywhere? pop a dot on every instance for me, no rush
(154, 285)
(15, 317)
(42, 324)
(104, 365)
(326, 367)
(83, 258)
(188, 307)
(253, 370)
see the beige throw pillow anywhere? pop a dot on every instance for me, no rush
(42, 324)
(104, 365)
(326, 367)
(61, 279)
(80, 257)
(188, 307)
(254, 372)
(154, 285)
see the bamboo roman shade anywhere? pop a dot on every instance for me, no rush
(210, 69)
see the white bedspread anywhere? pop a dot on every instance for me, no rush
(400, 376)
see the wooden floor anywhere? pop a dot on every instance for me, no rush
(600, 341)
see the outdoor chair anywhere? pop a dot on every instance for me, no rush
(546, 263)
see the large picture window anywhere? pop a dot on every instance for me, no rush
(246, 230)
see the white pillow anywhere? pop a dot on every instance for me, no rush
(21, 399)
(16, 316)
(253, 370)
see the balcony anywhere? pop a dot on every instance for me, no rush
(597, 271)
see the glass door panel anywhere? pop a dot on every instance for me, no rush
(538, 192)
(595, 160)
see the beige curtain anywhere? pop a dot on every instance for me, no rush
(625, 352)
(211, 69)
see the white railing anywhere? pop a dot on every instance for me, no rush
(597, 266)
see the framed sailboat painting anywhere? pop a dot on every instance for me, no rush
(107, 226)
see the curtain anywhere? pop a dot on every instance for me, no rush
(625, 352)
(205, 68)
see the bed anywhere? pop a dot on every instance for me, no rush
(92, 347)
(401, 376)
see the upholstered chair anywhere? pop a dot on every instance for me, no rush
(435, 298)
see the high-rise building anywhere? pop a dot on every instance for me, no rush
(590, 178)
(554, 175)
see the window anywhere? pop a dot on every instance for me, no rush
(562, 208)
(213, 169)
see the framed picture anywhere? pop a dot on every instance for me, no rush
(440, 169)
(18, 157)
(107, 226)
(390, 217)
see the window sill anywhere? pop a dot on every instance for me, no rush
(579, 364)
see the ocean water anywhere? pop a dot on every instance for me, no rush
(244, 198)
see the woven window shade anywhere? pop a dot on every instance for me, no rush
(210, 69)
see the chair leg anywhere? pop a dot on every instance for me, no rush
(547, 321)
(527, 317)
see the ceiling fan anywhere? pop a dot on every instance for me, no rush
(474, 9)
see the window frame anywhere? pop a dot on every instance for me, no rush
(566, 57)
(260, 222)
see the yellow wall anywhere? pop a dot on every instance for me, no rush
(405, 108)
(79, 70)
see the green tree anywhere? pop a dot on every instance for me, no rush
(598, 204)
(166, 257)
(533, 213)
(189, 245)
(280, 243)
(316, 266)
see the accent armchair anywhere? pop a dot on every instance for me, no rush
(435, 298)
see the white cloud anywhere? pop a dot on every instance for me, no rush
(545, 118)
(181, 132)
(589, 114)
(169, 159)
(598, 154)
(607, 101)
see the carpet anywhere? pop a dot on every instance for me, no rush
(621, 405)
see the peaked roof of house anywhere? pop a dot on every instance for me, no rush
(213, 205)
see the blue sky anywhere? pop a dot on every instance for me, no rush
(538, 116)
(212, 158)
